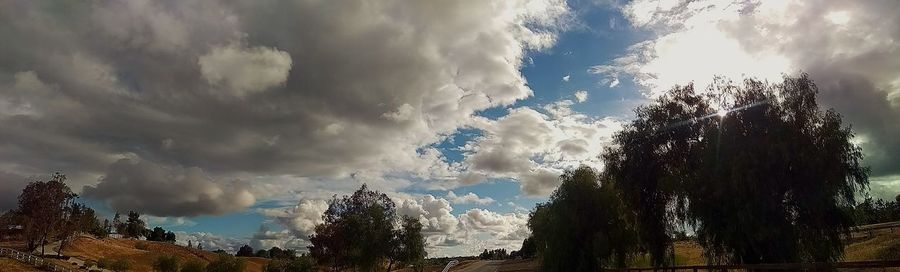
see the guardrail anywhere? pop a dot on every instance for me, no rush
(32, 260)
(778, 266)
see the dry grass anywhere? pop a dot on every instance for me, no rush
(91, 249)
(10, 265)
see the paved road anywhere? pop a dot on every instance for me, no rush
(481, 266)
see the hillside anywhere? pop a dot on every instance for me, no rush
(89, 249)
(10, 265)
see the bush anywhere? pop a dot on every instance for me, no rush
(226, 263)
(120, 265)
(104, 263)
(166, 264)
(192, 266)
(891, 252)
(300, 264)
(141, 245)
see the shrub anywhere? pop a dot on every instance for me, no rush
(891, 252)
(300, 264)
(120, 265)
(141, 245)
(104, 263)
(166, 264)
(192, 266)
(226, 263)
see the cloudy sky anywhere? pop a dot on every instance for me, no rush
(232, 122)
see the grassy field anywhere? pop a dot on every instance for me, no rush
(10, 265)
(91, 249)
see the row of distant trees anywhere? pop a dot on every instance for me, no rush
(756, 170)
(48, 211)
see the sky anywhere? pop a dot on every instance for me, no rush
(233, 122)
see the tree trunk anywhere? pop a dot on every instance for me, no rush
(390, 264)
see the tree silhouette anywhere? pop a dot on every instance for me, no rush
(244, 251)
(760, 172)
(43, 205)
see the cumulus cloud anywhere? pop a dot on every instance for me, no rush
(245, 70)
(535, 148)
(470, 198)
(848, 48)
(209, 241)
(142, 186)
(268, 93)
(581, 96)
(566, 78)
(300, 220)
(262, 90)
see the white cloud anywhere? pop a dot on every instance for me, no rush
(470, 198)
(245, 70)
(581, 96)
(535, 148)
(566, 78)
(301, 219)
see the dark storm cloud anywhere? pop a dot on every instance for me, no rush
(849, 48)
(304, 88)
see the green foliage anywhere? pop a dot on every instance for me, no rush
(193, 266)
(357, 232)
(42, 207)
(410, 244)
(583, 226)
(262, 253)
(226, 263)
(166, 264)
(134, 226)
(299, 264)
(770, 181)
(161, 235)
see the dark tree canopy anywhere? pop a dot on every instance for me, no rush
(410, 244)
(357, 231)
(583, 226)
(43, 206)
(244, 251)
(134, 227)
(758, 169)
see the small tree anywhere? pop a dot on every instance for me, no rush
(410, 245)
(170, 237)
(245, 251)
(134, 227)
(157, 234)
